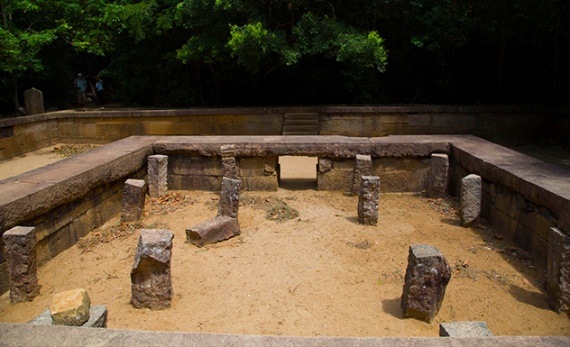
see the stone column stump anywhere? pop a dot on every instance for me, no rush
(157, 172)
(20, 251)
(229, 163)
(151, 281)
(368, 200)
(558, 271)
(362, 167)
(470, 199)
(427, 276)
(438, 175)
(214, 230)
(229, 197)
(134, 195)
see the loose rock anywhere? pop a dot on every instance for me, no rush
(70, 307)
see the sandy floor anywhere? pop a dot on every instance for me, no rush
(319, 273)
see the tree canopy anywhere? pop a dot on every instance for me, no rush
(243, 52)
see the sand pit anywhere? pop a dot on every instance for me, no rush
(316, 274)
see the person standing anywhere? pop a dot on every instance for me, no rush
(80, 86)
(99, 90)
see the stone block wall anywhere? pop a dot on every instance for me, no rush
(205, 172)
(19, 137)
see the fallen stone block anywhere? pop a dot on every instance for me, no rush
(229, 197)
(368, 200)
(151, 280)
(70, 307)
(20, 252)
(470, 199)
(362, 167)
(157, 172)
(214, 230)
(464, 329)
(97, 318)
(134, 195)
(558, 271)
(438, 175)
(427, 276)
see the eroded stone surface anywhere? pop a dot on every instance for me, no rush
(470, 199)
(362, 167)
(70, 307)
(427, 276)
(151, 281)
(157, 175)
(229, 197)
(368, 200)
(558, 270)
(20, 252)
(214, 230)
(134, 195)
(438, 175)
(464, 329)
(229, 167)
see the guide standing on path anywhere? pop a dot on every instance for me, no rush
(80, 85)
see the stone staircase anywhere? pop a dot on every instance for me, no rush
(301, 124)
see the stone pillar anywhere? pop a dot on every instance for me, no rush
(438, 175)
(20, 251)
(214, 230)
(470, 199)
(362, 167)
(368, 200)
(151, 281)
(134, 194)
(427, 276)
(157, 171)
(229, 197)
(229, 164)
(34, 101)
(558, 270)
(464, 329)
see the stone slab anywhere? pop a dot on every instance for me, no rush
(97, 318)
(214, 230)
(470, 199)
(464, 329)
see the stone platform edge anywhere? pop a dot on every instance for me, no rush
(36, 335)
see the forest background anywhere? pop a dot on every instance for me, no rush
(173, 53)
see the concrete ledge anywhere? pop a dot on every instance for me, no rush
(37, 335)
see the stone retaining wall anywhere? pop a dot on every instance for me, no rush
(525, 124)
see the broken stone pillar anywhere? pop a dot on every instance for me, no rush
(229, 197)
(34, 101)
(558, 270)
(20, 251)
(229, 164)
(70, 307)
(470, 199)
(151, 282)
(214, 230)
(464, 329)
(157, 175)
(97, 318)
(438, 175)
(362, 167)
(134, 194)
(427, 276)
(368, 200)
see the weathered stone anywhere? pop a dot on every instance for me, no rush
(70, 307)
(151, 281)
(229, 167)
(261, 183)
(33, 101)
(438, 175)
(157, 175)
(97, 318)
(464, 329)
(20, 252)
(362, 167)
(228, 151)
(558, 270)
(325, 164)
(229, 197)
(134, 194)
(427, 276)
(564, 219)
(470, 199)
(368, 200)
(214, 230)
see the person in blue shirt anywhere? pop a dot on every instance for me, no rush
(99, 90)
(80, 86)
